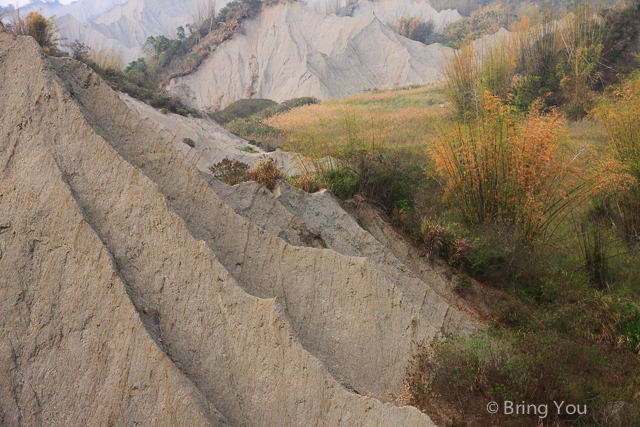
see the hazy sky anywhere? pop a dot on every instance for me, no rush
(23, 2)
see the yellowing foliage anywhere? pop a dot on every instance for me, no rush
(500, 167)
(42, 29)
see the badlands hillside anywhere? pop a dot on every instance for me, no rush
(290, 51)
(115, 26)
(125, 28)
(286, 51)
(136, 289)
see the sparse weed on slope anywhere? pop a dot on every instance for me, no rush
(43, 30)
(230, 172)
(267, 172)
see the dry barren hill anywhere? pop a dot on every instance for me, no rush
(290, 51)
(136, 289)
(125, 27)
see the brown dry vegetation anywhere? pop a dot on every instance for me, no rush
(43, 30)
(390, 118)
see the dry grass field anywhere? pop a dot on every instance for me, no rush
(392, 118)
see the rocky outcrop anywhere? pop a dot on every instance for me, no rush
(290, 51)
(136, 289)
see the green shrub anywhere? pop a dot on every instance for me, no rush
(390, 178)
(344, 183)
(295, 103)
(415, 29)
(242, 109)
(486, 260)
(138, 86)
(462, 284)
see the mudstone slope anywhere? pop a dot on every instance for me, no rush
(125, 27)
(139, 290)
(289, 51)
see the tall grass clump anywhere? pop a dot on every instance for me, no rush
(620, 114)
(470, 73)
(505, 155)
(107, 59)
(544, 60)
(500, 167)
(463, 81)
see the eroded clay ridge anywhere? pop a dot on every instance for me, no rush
(342, 309)
(73, 350)
(133, 293)
(288, 51)
(302, 219)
